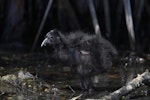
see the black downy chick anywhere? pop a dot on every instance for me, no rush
(82, 50)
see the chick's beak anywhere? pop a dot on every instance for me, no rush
(45, 42)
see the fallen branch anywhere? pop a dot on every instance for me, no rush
(129, 87)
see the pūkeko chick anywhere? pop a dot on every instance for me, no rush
(88, 53)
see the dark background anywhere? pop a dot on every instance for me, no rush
(21, 19)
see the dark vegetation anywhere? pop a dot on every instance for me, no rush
(20, 21)
(85, 27)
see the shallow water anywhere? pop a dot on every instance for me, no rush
(65, 84)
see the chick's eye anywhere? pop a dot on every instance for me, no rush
(51, 37)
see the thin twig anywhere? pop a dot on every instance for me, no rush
(94, 18)
(77, 97)
(129, 22)
(42, 24)
(71, 89)
(139, 9)
(107, 17)
(119, 10)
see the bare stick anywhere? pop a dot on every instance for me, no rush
(118, 18)
(107, 17)
(42, 24)
(94, 18)
(77, 97)
(129, 22)
(139, 8)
